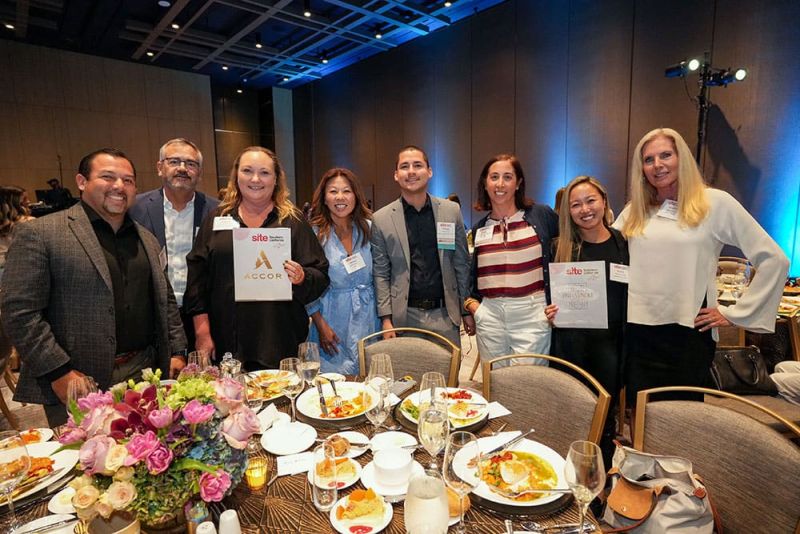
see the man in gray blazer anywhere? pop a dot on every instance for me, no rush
(419, 255)
(84, 292)
(174, 213)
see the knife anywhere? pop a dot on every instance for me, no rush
(19, 490)
(322, 405)
(507, 444)
(53, 526)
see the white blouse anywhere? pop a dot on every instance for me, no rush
(673, 268)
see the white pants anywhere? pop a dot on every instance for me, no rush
(513, 325)
(787, 378)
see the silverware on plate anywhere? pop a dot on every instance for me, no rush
(322, 405)
(52, 526)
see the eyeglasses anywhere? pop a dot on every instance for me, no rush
(190, 164)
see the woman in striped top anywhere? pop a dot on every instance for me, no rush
(510, 283)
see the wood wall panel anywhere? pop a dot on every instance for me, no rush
(362, 117)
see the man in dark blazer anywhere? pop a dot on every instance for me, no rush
(174, 213)
(84, 292)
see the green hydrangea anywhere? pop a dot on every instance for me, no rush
(186, 390)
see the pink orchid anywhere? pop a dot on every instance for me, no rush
(213, 487)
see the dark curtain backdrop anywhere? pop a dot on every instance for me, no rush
(570, 87)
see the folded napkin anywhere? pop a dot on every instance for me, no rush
(394, 399)
(295, 463)
(497, 410)
(267, 416)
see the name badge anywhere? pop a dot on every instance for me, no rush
(669, 210)
(484, 235)
(225, 223)
(446, 235)
(162, 258)
(354, 263)
(618, 272)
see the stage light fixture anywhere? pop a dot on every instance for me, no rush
(693, 64)
(175, 26)
(150, 53)
(740, 74)
(307, 8)
(224, 67)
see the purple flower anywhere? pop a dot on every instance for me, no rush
(240, 424)
(160, 418)
(228, 393)
(93, 400)
(73, 434)
(140, 446)
(195, 412)
(158, 461)
(93, 454)
(99, 419)
(213, 487)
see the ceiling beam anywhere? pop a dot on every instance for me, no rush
(165, 21)
(377, 15)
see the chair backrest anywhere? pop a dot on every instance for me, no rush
(751, 471)
(558, 405)
(414, 352)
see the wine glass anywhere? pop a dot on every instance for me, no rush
(380, 366)
(426, 509)
(293, 382)
(254, 401)
(585, 474)
(78, 388)
(431, 388)
(379, 389)
(201, 358)
(309, 356)
(461, 452)
(14, 465)
(433, 428)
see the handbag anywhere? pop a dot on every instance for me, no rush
(654, 494)
(742, 371)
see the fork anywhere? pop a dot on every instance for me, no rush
(535, 526)
(337, 400)
(515, 494)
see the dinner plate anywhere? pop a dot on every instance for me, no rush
(64, 460)
(343, 483)
(308, 401)
(390, 439)
(61, 503)
(347, 526)
(458, 422)
(400, 490)
(264, 379)
(354, 437)
(288, 438)
(45, 434)
(526, 445)
(280, 418)
(49, 520)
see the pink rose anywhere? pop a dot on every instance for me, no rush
(93, 400)
(213, 487)
(240, 424)
(140, 446)
(99, 419)
(160, 418)
(72, 435)
(196, 412)
(229, 394)
(158, 461)
(93, 454)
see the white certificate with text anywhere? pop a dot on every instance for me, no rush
(258, 256)
(579, 291)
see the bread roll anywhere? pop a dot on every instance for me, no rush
(452, 503)
(341, 446)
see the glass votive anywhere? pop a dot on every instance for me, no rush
(256, 473)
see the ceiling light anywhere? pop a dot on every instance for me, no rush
(258, 41)
(285, 78)
(239, 90)
(740, 74)
(9, 26)
(175, 26)
(378, 34)
(150, 53)
(224, 67)
(324, 60)
(306, 8)
(164, 3)
(448, 4)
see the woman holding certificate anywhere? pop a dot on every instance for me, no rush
(510, 263)
(260, 333)
(346, 311)
(585, 235)
(676, 227)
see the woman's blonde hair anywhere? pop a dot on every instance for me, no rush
(692, 202)
(280, 194)
(569, 241)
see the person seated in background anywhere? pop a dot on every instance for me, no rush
(59, 196)
(84, 292)
(259, 333)
(346, 311)
(787, 380)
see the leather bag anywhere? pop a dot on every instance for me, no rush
(654, 494)
(742, 371)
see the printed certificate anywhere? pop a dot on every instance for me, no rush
(579, 291)
(258, 256)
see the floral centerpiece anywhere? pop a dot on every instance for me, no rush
(148, 448)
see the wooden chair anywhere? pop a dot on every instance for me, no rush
(559, 406)
(751, 471)
(6, 350)
(414, 352)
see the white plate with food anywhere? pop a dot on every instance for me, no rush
(464, 407)
(44, 462)
(61, 503)
(36, 435)
(352, 402)
(42, 522)
(361, 512)
(270, 382)
(288, 438)
(348, 471)
(527, 465)
(343, 444)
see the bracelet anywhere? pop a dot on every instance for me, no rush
(469, 301)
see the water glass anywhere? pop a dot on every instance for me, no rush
(309, 356)
(431, 388)
(426, 508)
(294, 381)
(201, 358)
(462, 451)
(376, 391)
(254, 401)
(585, 474)
(14, 465)
(433, 429)
(324, 491)
(380, 366)
(78, 388)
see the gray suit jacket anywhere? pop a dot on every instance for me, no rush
(391, 261)
(58, 303)
(149, 212)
